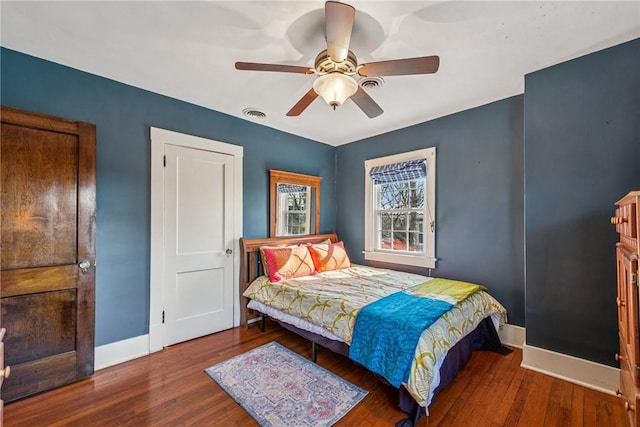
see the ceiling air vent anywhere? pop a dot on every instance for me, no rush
(369, 83)
(254, 113)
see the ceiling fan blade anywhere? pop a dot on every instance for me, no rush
(253, 66)
(339, 24)
(366, 103)
(303, 103)
(400, 67)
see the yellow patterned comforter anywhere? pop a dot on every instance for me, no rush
(332, 300)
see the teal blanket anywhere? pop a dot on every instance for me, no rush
(387, 331)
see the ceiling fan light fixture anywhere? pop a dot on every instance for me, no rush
(335, 88)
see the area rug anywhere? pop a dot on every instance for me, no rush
(278, 387)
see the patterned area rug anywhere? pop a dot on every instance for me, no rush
(277, 387)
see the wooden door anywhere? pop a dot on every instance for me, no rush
(48, 250)
(198, 267)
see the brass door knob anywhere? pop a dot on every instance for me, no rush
(4, 373)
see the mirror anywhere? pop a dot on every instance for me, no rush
(294, 204)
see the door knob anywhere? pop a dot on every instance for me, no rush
(228, 251)
(84, 266)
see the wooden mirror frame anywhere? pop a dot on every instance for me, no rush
(281, 177)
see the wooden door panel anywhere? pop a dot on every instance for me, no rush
(42, 325)
(38, 376)
(33, 280)
(40, 198)
(47, 230)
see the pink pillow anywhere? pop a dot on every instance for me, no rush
(263, 259)
(329, 257)
(287, 263)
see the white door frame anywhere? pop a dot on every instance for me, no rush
(160, 137)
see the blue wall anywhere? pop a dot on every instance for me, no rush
(479, 196)
(582, 154)
(574, 138)
(123, 116)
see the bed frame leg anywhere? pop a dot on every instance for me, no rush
(314, 352)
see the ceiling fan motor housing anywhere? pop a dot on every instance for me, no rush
(325, 65)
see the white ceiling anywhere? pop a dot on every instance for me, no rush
(187, 50)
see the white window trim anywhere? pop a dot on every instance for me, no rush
(427, 260)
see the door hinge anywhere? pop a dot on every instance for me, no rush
(162, 316)
(164, 161)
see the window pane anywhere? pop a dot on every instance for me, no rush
(416, 242)
(399, 222)
(416, 221)
(401, 195)
(387, 197)
(417, 194)
(399, 241)
(295, 223)
(297, 201)
(384, 240)
(385, 221)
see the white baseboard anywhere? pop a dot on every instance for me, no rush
(121, 351)
(573, 369)
(512, 335)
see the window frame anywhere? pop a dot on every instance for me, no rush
(425, 259)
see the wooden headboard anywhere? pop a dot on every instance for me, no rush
(251, 267)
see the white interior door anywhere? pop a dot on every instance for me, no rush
(198, 231)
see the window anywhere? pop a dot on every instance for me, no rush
(292, 205)
(400, 208)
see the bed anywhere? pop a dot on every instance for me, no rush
(336, 304)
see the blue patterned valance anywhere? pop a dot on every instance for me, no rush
(395, 172)
(291, 188)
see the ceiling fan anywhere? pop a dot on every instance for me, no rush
(336, 66)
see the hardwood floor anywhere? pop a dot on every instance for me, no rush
(170, 388)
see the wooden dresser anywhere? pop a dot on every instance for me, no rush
(627, 222)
